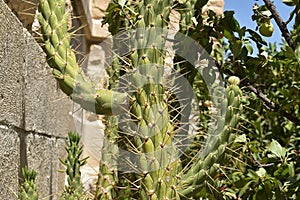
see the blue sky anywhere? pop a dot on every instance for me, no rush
(243, 13)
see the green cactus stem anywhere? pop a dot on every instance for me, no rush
(73, 162)
(106, 188)
(28, 188)
(207, 163)
(152, 134)
(108, 180)
(60, 56)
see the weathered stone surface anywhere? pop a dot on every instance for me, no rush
(29, 97)
(98, 6)
(43, 155)
(96, 64)
(93, 10)
(30, 103)
(91, 130)
(24, 9)
(9, 163)
(46, 108)
(58, 177)
(215, 5)
(11, 61)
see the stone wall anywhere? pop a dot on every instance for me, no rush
(34, 113)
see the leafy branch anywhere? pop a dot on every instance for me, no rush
(271, 106)
(282, 26)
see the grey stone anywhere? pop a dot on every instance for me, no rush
(43, 155)
(11, 61)
(97, 63)
(9, 163)
(46, 107)
(34, 113)
(93, 12)
(29, 97)
(24, 9)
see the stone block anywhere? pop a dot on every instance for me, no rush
(9, 163)
(96, 66)
(24, 10)
(46, 108)
(29, 97)
(215, 5)
(43, 155)
(93, 10)
(11, 62)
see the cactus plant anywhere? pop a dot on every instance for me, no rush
(28, 189)
(152, 126)
(73, 162)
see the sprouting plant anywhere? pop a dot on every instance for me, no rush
(28, 189)
(73, 162)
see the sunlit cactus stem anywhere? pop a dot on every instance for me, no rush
(28, 189)
(152, 139)
(207, 164)
(60, 56)
(73, 162)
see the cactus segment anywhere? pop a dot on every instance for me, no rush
(62, 59)
(207, 166)
(149, 113)
(73, 162)
(108, 175)
(28, 189)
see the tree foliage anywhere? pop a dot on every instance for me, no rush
(265, 157)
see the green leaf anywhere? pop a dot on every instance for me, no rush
(297, 53)
(227, 34)
(291, 169)
(281, 172)
(236, 47)
(256, 37)
(242, 32)
(245, 188)
(277, 149)
(249, 48)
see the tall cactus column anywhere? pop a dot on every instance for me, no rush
(108, 171)
(153, 130)
(207, 164)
